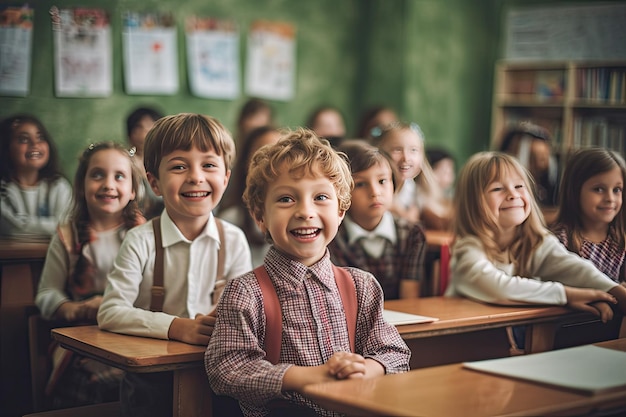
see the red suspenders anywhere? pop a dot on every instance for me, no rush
(274, 317)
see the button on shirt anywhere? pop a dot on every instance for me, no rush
(189, 275)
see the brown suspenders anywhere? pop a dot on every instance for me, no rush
(158, 290)
(273, 313)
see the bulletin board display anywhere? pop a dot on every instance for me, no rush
(587, 31)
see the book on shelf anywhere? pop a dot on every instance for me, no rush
(599, 131)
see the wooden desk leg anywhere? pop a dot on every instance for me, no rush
(540, 337)
(17, 285)
(622, 328)
(192, 394)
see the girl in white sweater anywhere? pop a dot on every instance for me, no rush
(503, 253)
(79, 258)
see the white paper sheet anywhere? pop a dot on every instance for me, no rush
(150, 54)
(16, 43)
(398, 318)
(588, 369)
(213, 57)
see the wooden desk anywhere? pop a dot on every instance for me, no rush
(451, 390)
(436, 238)
(21, 263)
(191, 396)
(468, 330)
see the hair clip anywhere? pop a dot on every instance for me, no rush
(132, 151)
(91, 146)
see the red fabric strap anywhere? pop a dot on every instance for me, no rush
(274, 316)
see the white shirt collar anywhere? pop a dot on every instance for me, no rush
(386, 229)
(171, 234)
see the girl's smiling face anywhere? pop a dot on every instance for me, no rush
(29, 149)
(601, 198)
(406, 149)
(108, 184)
(301, 214)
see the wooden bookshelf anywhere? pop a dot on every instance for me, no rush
(582, 103)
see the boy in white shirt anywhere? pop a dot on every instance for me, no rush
(188, 159)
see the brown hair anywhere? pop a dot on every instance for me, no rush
(363, 156)
(182, 132)
(582, 165)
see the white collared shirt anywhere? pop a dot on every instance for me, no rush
(189, 275)
(373, 242)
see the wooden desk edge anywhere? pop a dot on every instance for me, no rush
(141, 365)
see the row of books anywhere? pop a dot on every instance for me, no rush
(602, 84)
(599, 131)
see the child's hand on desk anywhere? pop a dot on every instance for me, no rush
(72, 311)
(346, 365)
(619, 292)
(604, 311)
(193, 331)
(581, 298)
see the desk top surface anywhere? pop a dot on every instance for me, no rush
(18, 249)
(457, 314)
(451, 390)
(132, 352)
(438, 237)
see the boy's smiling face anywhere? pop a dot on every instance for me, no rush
(301, 215)
(192, 183)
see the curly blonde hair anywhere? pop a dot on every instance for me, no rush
(302, 153)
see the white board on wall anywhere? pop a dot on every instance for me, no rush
(594, 31)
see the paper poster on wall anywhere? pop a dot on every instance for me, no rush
(150, 53)
(16, 43)
(271, 60)
(82, 52)
(213, 57)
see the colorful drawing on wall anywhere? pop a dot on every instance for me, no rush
(16, 44)
(150, 53)
(82, 53)
(271, 60)
(213, 57)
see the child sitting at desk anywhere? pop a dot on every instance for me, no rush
(79, 257)
(370, 237)
(187, 159)
(298, 190)
(33, 192)
(591, 220)
(503, 253)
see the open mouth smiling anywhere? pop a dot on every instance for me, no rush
(307, 233)
(197, 194)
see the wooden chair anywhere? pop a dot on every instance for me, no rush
(440, 271)
(39, 341)
(40, 365)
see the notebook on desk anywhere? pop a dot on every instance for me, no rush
(398, 318)
(586, 369)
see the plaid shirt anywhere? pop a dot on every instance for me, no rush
(607, 255)
(314, 327)
(401, 261)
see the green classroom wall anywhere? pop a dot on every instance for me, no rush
(431, 60)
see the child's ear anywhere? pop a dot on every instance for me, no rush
(261, 225)
(342, 214)
(227, 177)
(154, 184)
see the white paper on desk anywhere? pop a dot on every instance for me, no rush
(397, 318)
(589, 369)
